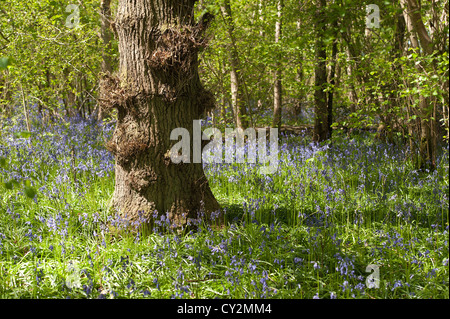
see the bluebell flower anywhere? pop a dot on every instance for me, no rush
(345, 286)
(397, 284)
(431, 273)
(146, 293)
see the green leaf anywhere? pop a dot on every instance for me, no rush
(9, 185)
(4, 62)
(30, 192)
(22, 135)
(3, 162)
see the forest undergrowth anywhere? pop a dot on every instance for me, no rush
(310, 230)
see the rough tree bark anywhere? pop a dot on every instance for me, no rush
(157, 90)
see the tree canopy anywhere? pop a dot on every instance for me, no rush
(383, 64)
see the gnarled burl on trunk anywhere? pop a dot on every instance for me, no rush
(157, 89)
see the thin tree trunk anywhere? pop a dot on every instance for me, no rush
(70, 101)
(159, 90)
(320, 96)
(439, 34)
(106, 37)
(300, 79)
(277, 92)
(385, 130)
(334, 52)
(259, 103)
(25, 110)
(416, 20)
(427, 144)
(351, 91)
(241, 120)
(413, 124)
(261, 18)
(222, 90)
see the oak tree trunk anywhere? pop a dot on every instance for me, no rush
(158, 89)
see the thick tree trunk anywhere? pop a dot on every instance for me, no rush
(320, 96)
(158, 90)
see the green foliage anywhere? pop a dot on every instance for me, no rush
(59, 65)
(254, 23)
(22, 134)
(4, 62)
(309, 229)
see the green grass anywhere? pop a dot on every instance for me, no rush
(310, 229)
